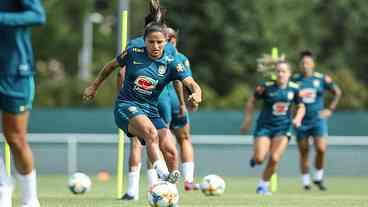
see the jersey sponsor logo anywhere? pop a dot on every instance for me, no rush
(138, 50)
(145, 85)
(180, 68)
(308, 95)
(162, 70)
(280, 108)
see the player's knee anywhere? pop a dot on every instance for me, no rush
(184, 137)
(321, 150)
(150, 135)
(275, 159)
(17, 140)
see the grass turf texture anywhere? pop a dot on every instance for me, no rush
(240, 192)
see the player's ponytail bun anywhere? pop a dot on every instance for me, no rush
(156, 15)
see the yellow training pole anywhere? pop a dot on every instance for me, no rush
(120, 160)
(7, 158)
(274, 180)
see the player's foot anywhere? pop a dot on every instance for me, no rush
(307, 187)
(34, 203)
(252, 163)
(127, 197)
(262, 191)
(173, 177)
(189, 186)
(6, 196)
(320, 185)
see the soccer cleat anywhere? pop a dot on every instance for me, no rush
(127, 197)
(6, 196)
(262, 191)
(189, 186)
(320, 185)
(173, 177)
(252, 163)
(307, 188)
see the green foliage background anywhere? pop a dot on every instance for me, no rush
(222, 38)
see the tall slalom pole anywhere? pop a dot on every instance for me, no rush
(123, 16)
(7, 157)
(274, 178)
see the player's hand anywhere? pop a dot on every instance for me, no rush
(89, 93)
(297, 123)
(182, 110)
(325, 113)
(194, 100)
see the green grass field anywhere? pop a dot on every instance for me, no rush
(240, 192)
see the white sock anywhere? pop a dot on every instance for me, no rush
(161, 169)
(133, 180)
(28, 184)
(318, 175)
(306, 179)
(263, 183)
(188, 171)
(152, 177)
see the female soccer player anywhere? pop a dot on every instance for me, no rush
(17, 93)
(313, 86)
(274, 122)
(148, 70)
(174, 112)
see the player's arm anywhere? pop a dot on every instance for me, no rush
(195, 98)
(180, 93)
(32, 14)
(249, 109)
(90, 91)
(120, 78)
(334, 89)
(299, 115)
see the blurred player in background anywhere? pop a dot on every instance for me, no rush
(148, 70)
(17, 92)
(313, 86)
(274, 122)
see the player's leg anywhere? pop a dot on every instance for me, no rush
(142, 126)
(151, 174)
(278, 147)
(134, 170)
(320, 144)
(15, 132)
(261, 148)
(303, 148)
(169, 151)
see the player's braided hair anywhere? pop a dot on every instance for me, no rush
(156, 13)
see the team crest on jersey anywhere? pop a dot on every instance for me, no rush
(290, 95)
(162, 70)
(316, 83)
(145, 85)
(180, 67)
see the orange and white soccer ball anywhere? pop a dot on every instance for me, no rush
(163, 194)
(212, 185)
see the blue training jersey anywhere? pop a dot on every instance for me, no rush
(169, 91)
(145, 78)
(276, 109)
(312, 90)
(16, 16)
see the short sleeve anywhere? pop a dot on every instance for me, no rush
(122, 59)
(328, 83)
(179, 70)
